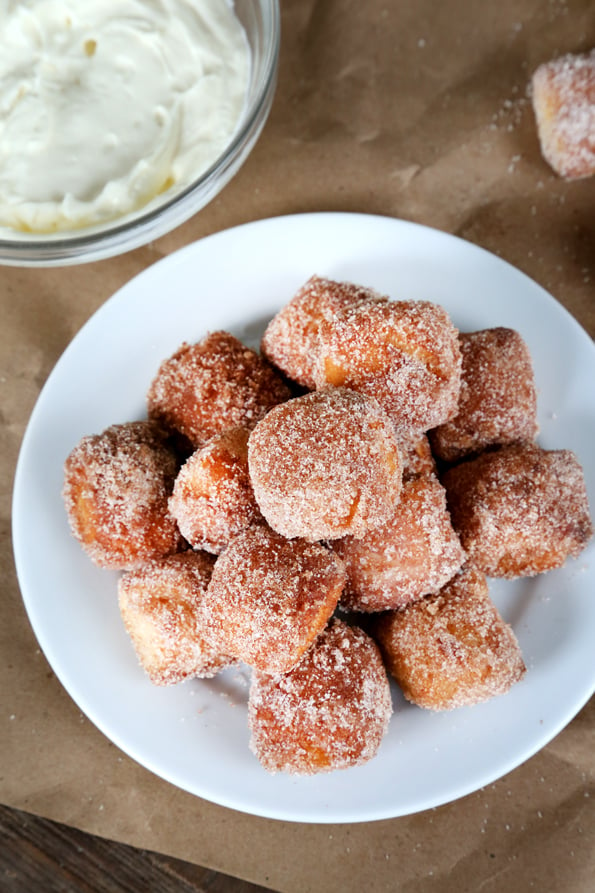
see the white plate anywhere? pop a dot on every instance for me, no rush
(195, 735)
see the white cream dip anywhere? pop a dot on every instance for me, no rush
(105, 104)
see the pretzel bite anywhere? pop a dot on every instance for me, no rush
(563, 92)
(325, 465)
(497, 402)
(116, 488)
(160, 606)
(212, 498)
(269, 597)
(413, 554)
(451, 649)
(215, 384)
(290, 341)
(417, 458)
(331, 712)
(405, 354)
(521, 510)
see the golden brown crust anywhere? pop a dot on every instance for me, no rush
(563, 92)
(405, 354)
(331, 712)
(497, 401)
(451, 649)
(325, 465)
(269, 597)
(417, 458)
(520, 510)
(212, 498)
(414, 554)
(160, 604)
(218, 383)
(116, 488)
(290, 341)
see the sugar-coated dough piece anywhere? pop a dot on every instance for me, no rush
(116, 488)
(520, 510)
(331, 712)
(270, 597)
(405, 354)
(417, 458)
(415, 553)
(563, 92)
(325, 465)
(215, 384)
(497, 402)
(160, 604)
(290, 341)
(212, 499)
(452, 649)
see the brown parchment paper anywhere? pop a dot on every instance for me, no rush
(415, 110)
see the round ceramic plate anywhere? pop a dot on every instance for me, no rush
(195, 734)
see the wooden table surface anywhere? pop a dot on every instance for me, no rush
(40, 856)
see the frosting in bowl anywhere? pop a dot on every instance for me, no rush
(106, 104)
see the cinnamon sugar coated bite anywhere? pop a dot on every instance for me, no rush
(563, 93)
(325, 465)
(413, 554)
(521, 510)
(269, 597)
(417, 458)
(290, 341)
(160, 605)
(215, 384)
(331, 712)
(497, 401)
(116, 488)
(212, 498)
(451, 649)
(405, 354)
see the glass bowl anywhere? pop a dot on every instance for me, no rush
(261, 22)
